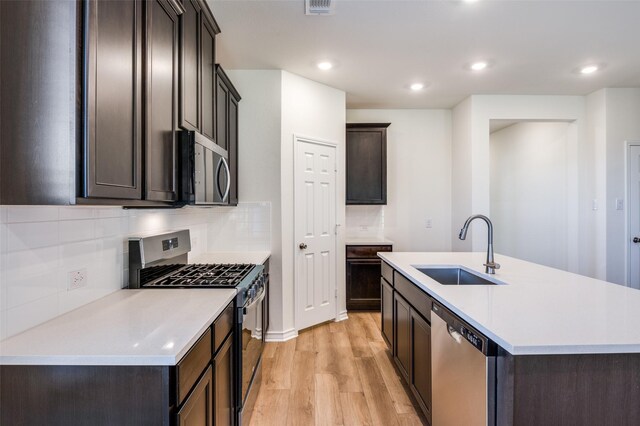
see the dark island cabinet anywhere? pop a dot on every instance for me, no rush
(226, 126)
(366, 163)
(420, 355)
(363, 276)
(386, 304)
(113, 99)
(406, 313)
(198, 408)
(402, 333)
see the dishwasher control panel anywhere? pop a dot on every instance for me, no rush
(479, 341)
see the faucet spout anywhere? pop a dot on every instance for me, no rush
(491, 265)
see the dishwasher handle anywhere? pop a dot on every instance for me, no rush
(461, 332)
(454, 334)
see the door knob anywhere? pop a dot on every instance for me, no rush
(636, 240)
(302, 246)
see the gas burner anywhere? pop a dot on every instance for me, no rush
(199, 275)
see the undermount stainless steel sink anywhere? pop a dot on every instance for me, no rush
(455, 276)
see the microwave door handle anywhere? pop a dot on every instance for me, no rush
(217, 178)
(226, 191)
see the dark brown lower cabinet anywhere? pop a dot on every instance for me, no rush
(363, 277)
(408, 334)
(223, 394)
(402, 332)
(198, 408)
(420, 374)
(198, 391)
(386, 304)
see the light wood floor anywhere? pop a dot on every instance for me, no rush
(334, 374)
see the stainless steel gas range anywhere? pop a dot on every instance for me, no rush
(161, 262)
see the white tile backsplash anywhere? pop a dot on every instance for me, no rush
(40, 245)
(364, 221)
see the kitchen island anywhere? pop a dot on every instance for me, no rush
(566, 347)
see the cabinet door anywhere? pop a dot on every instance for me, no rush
(233, 150)
(223, 395)
(208, 72)
(363, 284)
(161, 101)
(420, 374)
(386, 296)
(190, 66)
(198, 408)
(222, 99)
(113, 99)
(366, 164)
(402, 334)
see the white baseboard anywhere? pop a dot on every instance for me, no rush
(281, 336)
(341, 316)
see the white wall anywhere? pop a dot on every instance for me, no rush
(418, 180)
(529, 192)
(316, 111)
(461, 171)
(622, 124)
(40, 245)
(259, 133)
(471, 185)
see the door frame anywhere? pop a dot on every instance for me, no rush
(627, 216)
(322, 142)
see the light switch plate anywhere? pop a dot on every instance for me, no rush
(619, 204)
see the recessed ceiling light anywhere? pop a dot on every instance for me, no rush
(589, 69)
(417, 86)
(479, 66)
(325, 65)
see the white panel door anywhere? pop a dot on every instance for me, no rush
(315, 236)
(633, 183)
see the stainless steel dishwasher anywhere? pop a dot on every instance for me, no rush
(463, 372)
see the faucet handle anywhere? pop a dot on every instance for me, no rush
(492, 265)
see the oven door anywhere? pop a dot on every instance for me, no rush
(252, 344)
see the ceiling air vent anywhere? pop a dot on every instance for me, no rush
(319, 7)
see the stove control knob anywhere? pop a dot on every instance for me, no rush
(251, 293)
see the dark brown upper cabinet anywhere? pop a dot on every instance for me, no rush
(367, 163)
(161, 99)
(113, 99)
(226, 125)
(198, 29)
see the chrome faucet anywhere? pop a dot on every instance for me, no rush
(491, 265)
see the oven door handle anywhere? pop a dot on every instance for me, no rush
(256, 300)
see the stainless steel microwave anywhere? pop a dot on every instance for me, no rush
(205, 177)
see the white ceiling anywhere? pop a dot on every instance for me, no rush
(380, 47)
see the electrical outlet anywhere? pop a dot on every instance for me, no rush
(364, 228)
(429, 224)
(77, 279)
(619, 204)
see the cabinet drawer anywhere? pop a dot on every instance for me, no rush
(366, 251)
(222, 326)
(192, 365)
(387, 273)
(419, 299)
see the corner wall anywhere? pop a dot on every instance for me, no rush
(316, 111)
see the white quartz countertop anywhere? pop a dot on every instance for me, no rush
(540, 310)
(367, 241)
(128, 327)
(255, 257)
